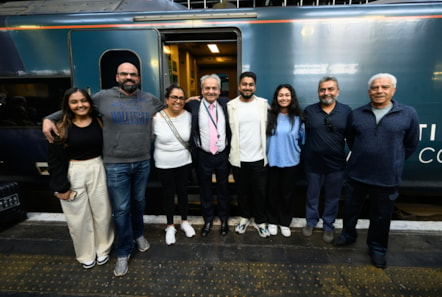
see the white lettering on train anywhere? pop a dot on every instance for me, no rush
(423, 127)
(429, 155)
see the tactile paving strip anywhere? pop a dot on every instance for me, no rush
(63, 276)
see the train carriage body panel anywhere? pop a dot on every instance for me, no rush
(296, 45)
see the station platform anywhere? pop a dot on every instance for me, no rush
(37, 259)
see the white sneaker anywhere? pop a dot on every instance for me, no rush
(262, 230)
(242, 226)
(170, 235)
(89, 265)
(273, 229)
(188, 229)
(102, 260)
(285, 231)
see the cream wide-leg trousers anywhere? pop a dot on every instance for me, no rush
(89, 216)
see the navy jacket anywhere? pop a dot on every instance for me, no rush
(379, 150)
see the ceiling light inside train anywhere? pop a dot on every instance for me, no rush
(213, 48)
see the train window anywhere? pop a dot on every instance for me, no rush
(109, 63)
(25, 101)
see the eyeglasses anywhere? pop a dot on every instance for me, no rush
(127, 74)
(177, 98)
(328, 124)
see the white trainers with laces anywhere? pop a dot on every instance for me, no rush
(170, 235)
(285, 231)
(242, 226)
(273, 229)
(262, 230)
(188, 229)
(102, 259)
(89, 265)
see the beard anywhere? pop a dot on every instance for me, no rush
(128, 88)
(327, 100)
(247, 97)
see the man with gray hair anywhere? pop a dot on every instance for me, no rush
(324, 156)
(384, 133)
(210, 142)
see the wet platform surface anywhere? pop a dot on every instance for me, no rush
(37, 259)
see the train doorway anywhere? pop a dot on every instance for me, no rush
(190, 54)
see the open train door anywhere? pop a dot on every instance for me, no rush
(96, 54)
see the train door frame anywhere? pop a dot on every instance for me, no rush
(228, 35)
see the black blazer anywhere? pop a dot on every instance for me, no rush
(193, 107)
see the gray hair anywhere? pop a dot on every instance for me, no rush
(204, 77)
(383, 75)
(328, 78)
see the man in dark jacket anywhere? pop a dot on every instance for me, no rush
(210, 138)
(384, 133)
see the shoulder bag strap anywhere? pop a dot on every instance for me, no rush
(175, 132)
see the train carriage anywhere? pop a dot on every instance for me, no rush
(43, 54)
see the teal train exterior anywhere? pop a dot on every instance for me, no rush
(298, 45)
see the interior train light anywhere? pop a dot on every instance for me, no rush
(213, 48)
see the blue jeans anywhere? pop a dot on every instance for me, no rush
(332, 184)
(126, 183)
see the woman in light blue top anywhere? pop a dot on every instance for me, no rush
(285, 135)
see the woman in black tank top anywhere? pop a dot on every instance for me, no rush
(78, 178)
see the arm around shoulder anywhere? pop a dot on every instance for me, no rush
(49, 126)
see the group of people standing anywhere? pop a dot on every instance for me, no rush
(99, 165)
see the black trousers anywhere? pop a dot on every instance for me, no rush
(381, 201)
(175, 181)
(208, 164)
(251, 183)
(281, 189)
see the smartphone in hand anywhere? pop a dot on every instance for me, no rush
(72, 196)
